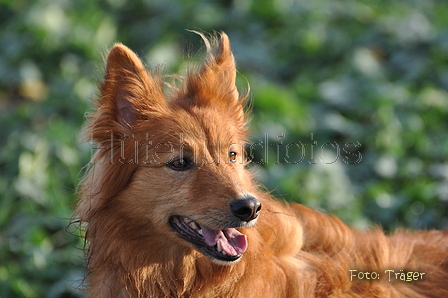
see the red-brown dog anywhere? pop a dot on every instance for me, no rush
(171, 211)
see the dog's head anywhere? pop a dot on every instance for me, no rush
(171, 160)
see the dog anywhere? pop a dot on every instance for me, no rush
(170, 209)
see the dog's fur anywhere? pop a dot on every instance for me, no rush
(138, 182)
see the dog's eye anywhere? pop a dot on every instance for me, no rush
(180, 164)
(232, 156)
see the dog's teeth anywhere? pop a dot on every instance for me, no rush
(218, 246)
(200, 232)
(193, 225)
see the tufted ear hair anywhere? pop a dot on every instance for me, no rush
(214, 84)
(127, 95)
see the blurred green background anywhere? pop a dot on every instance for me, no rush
(351, 97)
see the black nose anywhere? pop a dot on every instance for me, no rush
(246, 208)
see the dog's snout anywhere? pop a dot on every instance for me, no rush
(246, 208)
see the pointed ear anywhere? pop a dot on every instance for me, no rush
(214, 83)
(127, 95)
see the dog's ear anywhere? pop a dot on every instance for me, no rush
(214, 84)
(127, 95)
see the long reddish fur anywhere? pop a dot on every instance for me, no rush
(293, 251)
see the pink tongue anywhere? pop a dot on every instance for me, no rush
(232, 242)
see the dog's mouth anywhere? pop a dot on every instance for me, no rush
(227, 245)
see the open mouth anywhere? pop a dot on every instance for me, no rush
(226, 245)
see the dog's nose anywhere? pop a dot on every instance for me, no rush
(246, 208)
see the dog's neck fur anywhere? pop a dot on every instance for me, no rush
(188, 273)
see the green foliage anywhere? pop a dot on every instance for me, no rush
(350, 110)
